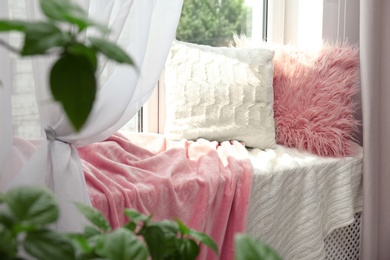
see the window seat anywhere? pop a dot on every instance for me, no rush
(301, 204)
(293, 202)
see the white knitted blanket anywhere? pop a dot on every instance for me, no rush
(298, 199)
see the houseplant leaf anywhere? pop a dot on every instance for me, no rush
(248, 248)
(201, 237)
(47, 244)
(136, 216)
(42, 36)
(6, 217)
(6, 26)
(156, 241)
(33, 205)
(205, 239)
(88, 52)
(182, 228)
(8, 243)
(91, 231)
(111, 50)
(94, 216)
(80, 241)
(123, 244)
(66, 11)
(188, 249)
(160, 238)
(73, 84)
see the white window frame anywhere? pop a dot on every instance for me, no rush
(151, 109)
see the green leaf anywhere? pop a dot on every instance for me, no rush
(97, 242)
(6, 217)
(23, 227)
(82, 50)
(160, 238)
(183, 228)
(136, 216)
(95, 216)
(130, 226)
(248, 248)
(80, 242)
(6, 25)
(188, 249)
(205, 239)
(33, 205)
(66, 11)
(47, 244)
(90, 232)
(170, 228)
(111, 50)
(8, 243)
(73, 84)
(41, 37)
(123, 244)
(156, 241)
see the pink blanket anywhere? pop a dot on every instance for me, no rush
(204, 184)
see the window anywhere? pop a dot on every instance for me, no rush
(209, 22)
(214, 22)
(303, 23)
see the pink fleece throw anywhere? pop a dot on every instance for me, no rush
(313, 98)
(205, 184)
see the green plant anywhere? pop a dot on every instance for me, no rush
(73, 75)
(211, 22)
(27, 212)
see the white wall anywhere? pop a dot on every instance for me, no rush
(341, 20)
(307, 22)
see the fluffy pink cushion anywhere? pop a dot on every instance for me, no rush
(313, 98)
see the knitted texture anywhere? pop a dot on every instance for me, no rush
(220, 94)
(298, 199)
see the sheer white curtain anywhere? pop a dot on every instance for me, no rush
(145, 28)
(375, 78)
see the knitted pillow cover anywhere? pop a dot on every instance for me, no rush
(220, 94)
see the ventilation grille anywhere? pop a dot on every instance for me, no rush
(344, 243)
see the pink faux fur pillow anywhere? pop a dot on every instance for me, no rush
(313, 98)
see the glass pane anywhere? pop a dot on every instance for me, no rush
(132, 125)
(214, 22)
(25, 116)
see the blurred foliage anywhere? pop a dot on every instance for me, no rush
(27, 214)
(211, 22)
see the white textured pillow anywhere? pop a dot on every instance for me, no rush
(220, 94)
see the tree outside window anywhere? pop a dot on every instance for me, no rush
(213, 22)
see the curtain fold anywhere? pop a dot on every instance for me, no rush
(375, 79)
(145, 28)
(5, 99)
